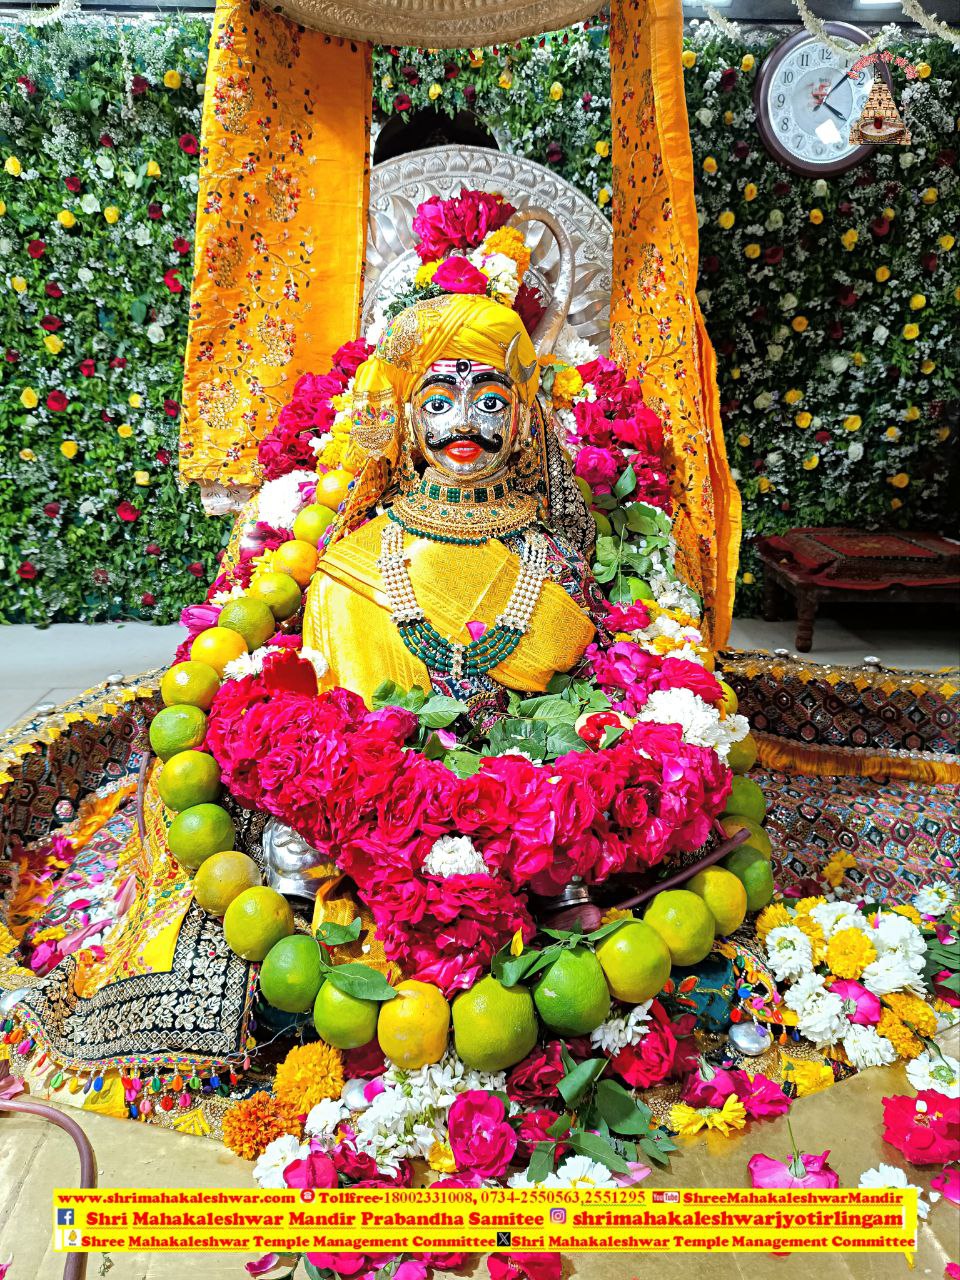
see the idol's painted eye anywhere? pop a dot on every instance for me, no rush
(492, 402)
(436, 404)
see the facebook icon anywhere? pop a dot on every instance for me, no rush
(64, 1217)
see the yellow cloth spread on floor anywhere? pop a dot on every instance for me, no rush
(281, 227)
(347, 616)
(656, 329)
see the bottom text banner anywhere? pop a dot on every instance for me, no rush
(414, 1220)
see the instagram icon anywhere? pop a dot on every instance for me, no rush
(558, 1215)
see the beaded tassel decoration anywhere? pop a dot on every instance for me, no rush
(449, 657)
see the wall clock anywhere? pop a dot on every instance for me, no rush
(806, 103)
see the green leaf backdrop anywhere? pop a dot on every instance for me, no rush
(833, 413)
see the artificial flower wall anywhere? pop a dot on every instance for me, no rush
(832, 305)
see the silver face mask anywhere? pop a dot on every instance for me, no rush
(465, 417)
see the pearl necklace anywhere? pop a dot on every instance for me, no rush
(449, 657)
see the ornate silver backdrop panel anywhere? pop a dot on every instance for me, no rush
(398, 186)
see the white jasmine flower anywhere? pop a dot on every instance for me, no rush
(699, 722)
(617, 1033)
(935, 1071)
(889, 1176)
(822, 1019)
(323, 1119)
(936, 899)
(268, 1171)
(279, 500)
(221, 597)
(249, 664)
(789, 953)
(865, 1048)
(454, 856)
(572, 348)
(892, 971)
(896, 933)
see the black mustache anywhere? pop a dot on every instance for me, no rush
(491, 444)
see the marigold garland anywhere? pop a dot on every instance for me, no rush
(255, 1122)
(776, 916)
(900, 1036)
(849, 952)
(308, 1074)
(911, 1009)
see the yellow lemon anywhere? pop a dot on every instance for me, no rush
(311, 522)
(199, 832)
(251, 618)
(195, 683)
(279, 592)
(291, 974)
(255, 921)
(724, 895)
(747, 800)
(345, 1021)
(635, 960)
(223, 877)
(757, 839)
(217, 646)
(189, 778)
(730, 701)
(742, 755)
(297, 558)
(493, 1026)
(177, 728)
(413, 1027)
(685, 924)
(571, 994)
(332, 487)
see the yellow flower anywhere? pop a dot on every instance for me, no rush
(928, 366)
(803, 906)
(764, 484)
(923, 70)
(751, 250)
(809, 927)
(603, 196)
(135, 400)
(172, 79)
(18, 284)
(799, 323)
(66, 218)
(142, 478)
(895, 504)
(253, 1123)
(749, 579)
(892, 433)
(567, 384)
(308, 1074)
(111, 213)
(3, 207)
(153, 169)
(69, 448)
(728, 117)
(815, 216)
(124, 431)
(849, 239)
(735, 374)
(803, 419)
(911, 413)
(918, 301)
(510, 242)
(434, 92)
(793, 396)
(747, 62)
(849, 952)
(615, 913)
(688, 58)
(773, 917)
(881, 274)
(726, 219)
(911, 331)
(440, 1157)
(900, 480)
(602, 148)
(709, 165)
(687, 1120)
(811, 462)
(53, 344)
(476, 58)
(906, 1044)
(852, 422)
(556, 91)
(930, 195)
(27, 455)
(911, 913)
(858, 359)
(28, 398)
(506, 80)
(805, 1075)
(943, 433)
(946, 242)
(743, 439)
(13, 166)
(750, 191)
(425, 273)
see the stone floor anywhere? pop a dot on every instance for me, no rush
(55, 663)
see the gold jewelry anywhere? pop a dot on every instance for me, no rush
(437, 508)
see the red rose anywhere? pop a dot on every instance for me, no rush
(554, 153)
(52, 289)
(535, 1079)
(773, 255)
(27, 571)
(106, 140)
(196, 568)
(170, 407)
(402, 102)
(929, 262)
(154, 210)
(118, 362)
(100, 578)
(457, 275)
(529, 307)
(51, 509)
(172, 281)
(481, 1138)
(470, 94)
(153, 549)
(650, 1060)
(180, 245)
(411, 75)
(532, 1130)
(27, 85)
(821, 437)
(586, 100)
(57, 401)
(148, 599)
(162, 456)
(36, 248)
(846, 297)
(189, 144)
(728, 80)
(880, 226)
(51, 323)
(451, 71)
(139, 86)
(835, 331)
(73, 184)
(12, 356)
(127, 512)
(88, 368)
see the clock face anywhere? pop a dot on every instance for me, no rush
(807, 104)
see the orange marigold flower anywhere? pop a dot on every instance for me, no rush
(510, 242)
(308, 1074)
(913, 1010)
(901, 1037)
(849, 952)
(255, 1122)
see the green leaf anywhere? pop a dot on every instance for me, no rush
(620, 1109)
(612, 733)
(560, 1126)
(335, 935)
(541, 1161)
(626, 484)
(438, 711)
(599, 1149)
(606, 929)
(576, 1083)
(361, 981)
(640, 519)
(138, 311)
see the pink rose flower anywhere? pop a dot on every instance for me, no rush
(459, 223)
(948, 1184)
(524, 1266)
(627, 617)
(860, 1005)
(480, 1137)
(766, 1172)
(457, 275)
(314, 1170)
(709, 1087)
(600, 468)
(761, 1096)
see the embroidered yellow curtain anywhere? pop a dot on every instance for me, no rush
(656, 328)
(281, 227)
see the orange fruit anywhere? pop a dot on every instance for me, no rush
(342, 1020)
(635, 961)
(223, 877)
(742, 755)
(217, 646)
(250, 617)
(193, 683)
(297, 558)
(255, 921)
(332, 488)
(311, 522)
(291, 974)
(757, 839)
(279, 591)
(493, 1026)
(189, 778)
(725, 896)
(413, 1027)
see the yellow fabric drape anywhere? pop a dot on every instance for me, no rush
(794, 757)
(281, 228)
(348, 619)
(656, 329)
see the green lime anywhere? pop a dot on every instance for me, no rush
(311, 522)
(221, 878)
(724, 894)
(342, 1020)
(177, 728)
(742, 755)
(193, 683)
(754, 872)
(635, 960)
(190, 778)
(255, 921)
(746, 800)
(278, 591)
(198, 832)
(493, 1026)
(252, 618)
(291, 974)
(572, 995)
(684, 922)
(757, 839)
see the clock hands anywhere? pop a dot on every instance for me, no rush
(833, 110)
(822, 102)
